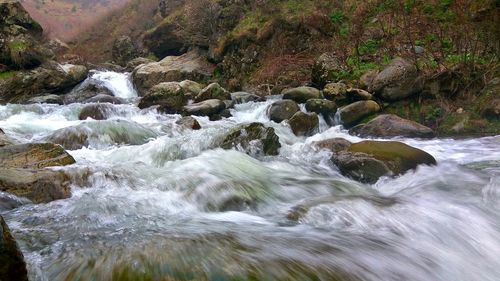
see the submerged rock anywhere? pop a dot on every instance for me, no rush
(254, 137)
(85, 91)
(389, 125)
(102, 98)
(189, 123)
(301, 94)
(39, 186)
(282, 110)
(304, 124)
(99, 111)
(50, 99)
(12, 265)
(213, 91)
(351, 114)
(34, 155)
(169, 96)
(205, 108)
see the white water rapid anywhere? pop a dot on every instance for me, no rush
(155, 211)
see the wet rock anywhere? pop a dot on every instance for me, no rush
(87, 90)
(244, 97)
(101, 98)
(213, 91)
(254, 137)
(5, 140)
(50, 99)
(39, 186)
(304, 124)
(367, 161)
(93, 133)
(354, 94)
(335, 145)
(192, 65)
(342, 95)
(301, 94)
(334, 91)
(191, 88)
(12, 265)
(98, 111)
(389, 125)
(282, 110)
(229, 104)
(132, 64)
(205, 108)
(34, 155)
(325, 69)
(351, 114)
(189, 123)
(399, 80)
(169, 96)
(324, 107)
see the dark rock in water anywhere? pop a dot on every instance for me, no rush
(367, 161)
(334, 145)
(254, 136)
(304, 124)
(12, 265)
(102, 98)
(169, 96)
(350, 115)
(213, 91)
(34, 155)
(92, 134)
(50, 99)
(282, 110)
(99, 111)
(192, 65)
(205, 108)
(244, 97)
(188, 122)
(325, 69)
(324, 107)
(399, 80)
(388, 125)
(39, 186)
(301, 94)
(89, 89)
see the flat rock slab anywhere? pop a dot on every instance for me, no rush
(34, 155)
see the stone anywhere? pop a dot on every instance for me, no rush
(50, 99)
(169, 96)
(12, 265)
(282, 110)
(304, 124)
(366, 80)
(85, 91)
(244, 97)
(325, 69)
(205, 108)
(102, 98)
(399, 80)
(334, 145)
(252, 137)
(301, 94)
(191, 88)
(361, 166)
(34, 155)
(98, 111)
(389, 125)
(351, 114)
(334, 91)
(323, 107)
(188, 122)
(5, 139)
(123, 50)
(133, 63)
(213, 91)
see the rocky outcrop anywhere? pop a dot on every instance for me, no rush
(12, 265)
(252, 138)
(98, 111)
(367, 161)
(399, 80)
(34, 155)
(165, 40)
(282, 110)
(351, 114)
(123, 50)
(205, 108)
(304, 124)
(301, 94)
(192, 66)
(212, 91)
(169, 96)
(389, 125)
(188, 122)
(325, 69)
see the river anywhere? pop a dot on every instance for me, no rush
(155, 211)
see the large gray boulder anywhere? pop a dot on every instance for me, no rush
(389, 125)
(301, 94)
(282, 110)
(351, 114)
(244, 97)
(399, 80)
(252, 138)
(169, 96)
(12, 265)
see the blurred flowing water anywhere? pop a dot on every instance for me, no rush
(164, 210)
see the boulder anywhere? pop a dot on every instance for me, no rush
(367, 161)
(244, 97)
(123, 50)
(351, 114)
(324, 107)
(354, 94)
(389, 125)
(12, 265)
(34, 155)
(50, 99)
(191, 88)
(282, 110)
(132, 64)
(342, 95)
(192, 65)
(188, 122)
(101, 98)
(169, 96)
(205, 108)
(98, 111)
(213, 91)
(165, 39)
(334, 91)
(304, 124)
(39, 186)
(334, 145)
(253, 137)
(326, 68)
(366, 80)
(399, 80)
(229, 104)
(87, 90)
(301, 94)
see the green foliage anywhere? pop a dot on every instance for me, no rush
(370, 46)
(17, 45)
(337, 17)
(7, 74)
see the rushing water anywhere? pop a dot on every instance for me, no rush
(158, 211)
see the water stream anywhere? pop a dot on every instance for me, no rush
(159, 210)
